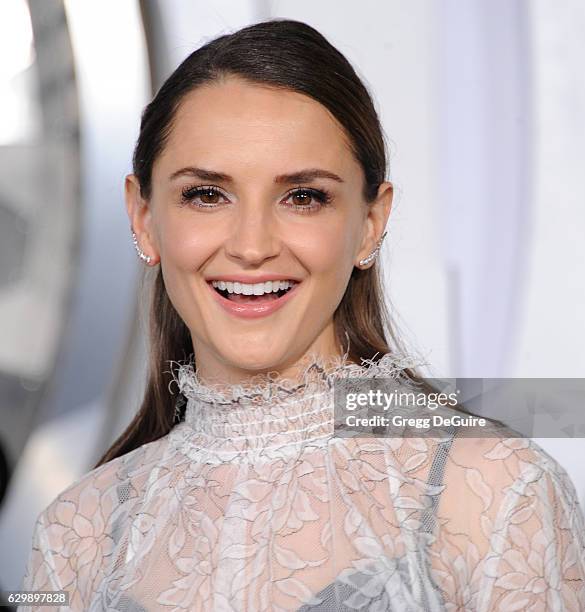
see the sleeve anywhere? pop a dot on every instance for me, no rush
(536, 556)
(41, 572)
(75, 538)
(69, 544)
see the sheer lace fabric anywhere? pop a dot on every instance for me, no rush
(251, 504)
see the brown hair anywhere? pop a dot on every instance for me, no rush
(307, 63)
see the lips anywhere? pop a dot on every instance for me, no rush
(248, 306)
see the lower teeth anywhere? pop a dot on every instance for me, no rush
(238, 297)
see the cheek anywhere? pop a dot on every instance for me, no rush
(330, 268)
(184, 251)
(326, 249)
(185, 247)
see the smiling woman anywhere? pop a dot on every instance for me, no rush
(259, 200)
(256, 184)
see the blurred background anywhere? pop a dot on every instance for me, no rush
(483, 105)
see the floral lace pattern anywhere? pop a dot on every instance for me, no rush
(252, 504)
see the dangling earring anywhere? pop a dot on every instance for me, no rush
(374, 253)
(141, 254)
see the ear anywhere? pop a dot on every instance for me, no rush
(140, 216)
(375, 222)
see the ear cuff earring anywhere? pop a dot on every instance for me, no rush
(141, 254)
(374, 253)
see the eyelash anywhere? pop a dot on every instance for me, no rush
(324, 198)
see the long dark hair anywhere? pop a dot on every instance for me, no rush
(290, 55)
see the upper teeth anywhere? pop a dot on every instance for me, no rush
(255, 288)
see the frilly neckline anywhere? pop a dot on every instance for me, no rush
(317, 375)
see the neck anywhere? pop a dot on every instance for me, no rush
(213, 368)
(311, 375)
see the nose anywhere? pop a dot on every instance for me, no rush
(252, 238)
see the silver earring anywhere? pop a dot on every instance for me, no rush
(374, 253)
(141, 254)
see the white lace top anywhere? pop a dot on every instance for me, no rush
(252, 504)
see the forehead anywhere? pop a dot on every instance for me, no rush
(235, 124)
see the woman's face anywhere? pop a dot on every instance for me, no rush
(256, 184)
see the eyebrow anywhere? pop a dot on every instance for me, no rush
(302, 176)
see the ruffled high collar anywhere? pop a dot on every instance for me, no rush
(269, 411)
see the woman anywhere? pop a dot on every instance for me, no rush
(259, 191)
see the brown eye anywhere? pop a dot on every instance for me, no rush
(308, 200)
(203, 197)
(209, 196)
(302, 198)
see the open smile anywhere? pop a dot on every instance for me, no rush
(253, 299)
